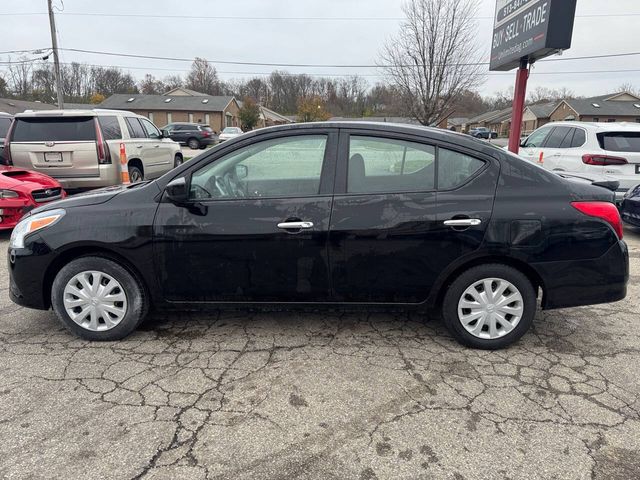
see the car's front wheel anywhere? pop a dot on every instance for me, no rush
(489, 306)
(98, 299)
(193, 143)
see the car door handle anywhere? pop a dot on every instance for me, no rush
(156, 146)
(295, 225)
(138, 146)
(463, 222)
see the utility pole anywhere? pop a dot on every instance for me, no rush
(56, 60)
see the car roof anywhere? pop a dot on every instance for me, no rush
(96, 112)
(598, 126)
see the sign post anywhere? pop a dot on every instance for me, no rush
(526, 31)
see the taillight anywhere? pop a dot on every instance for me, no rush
(602, 160)
(104, 156)
(605, 211)
(206, 134)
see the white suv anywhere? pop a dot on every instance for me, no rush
(604, 150)
(81, 148)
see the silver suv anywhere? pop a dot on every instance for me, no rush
(81, 148)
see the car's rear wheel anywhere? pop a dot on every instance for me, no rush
(489, 306)
(135, 174)
(98, 299)
(193, 143)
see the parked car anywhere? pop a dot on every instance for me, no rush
(193, 135)
(483, 132)
(230, 133)
(630, 208)
(81, 148)
(5, 123)
(313, 214)
(608, 149)
(22, 191)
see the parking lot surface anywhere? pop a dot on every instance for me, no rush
(236, 395)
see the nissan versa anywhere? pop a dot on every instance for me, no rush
(329, 213)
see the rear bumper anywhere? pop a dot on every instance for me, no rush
(586, 282)
(108, 176)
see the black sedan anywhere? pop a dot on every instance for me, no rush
(332, 214)
(630, 208)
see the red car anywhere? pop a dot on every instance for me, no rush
(23, 190)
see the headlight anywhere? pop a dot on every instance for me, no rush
(32, 224)
(8, 194)
(632, 192)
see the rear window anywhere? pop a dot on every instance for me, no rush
(110, 128)
(206, 129)
(59, 129)
(620, 141)
(5, 123)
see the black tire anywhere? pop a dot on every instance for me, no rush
(135, 174)
(137, 301)
(467, 279)
(177, 161)
(193, 143)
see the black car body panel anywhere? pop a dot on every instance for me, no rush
(380, 248)
(630, 208)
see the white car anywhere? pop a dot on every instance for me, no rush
(609, 150)
(229, 133)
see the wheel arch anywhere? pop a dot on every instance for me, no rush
(74, 253)
(136, 162)
(448, 277)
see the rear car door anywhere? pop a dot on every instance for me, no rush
(255, 228)
(388, 239)
(63, 147)
(555, 148)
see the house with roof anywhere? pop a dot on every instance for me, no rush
(616, 107)
(179, 105)
(537, 115)
(496, 121)
(13, 106)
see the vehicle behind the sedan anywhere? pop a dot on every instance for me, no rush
(611, 150)
(630, 207)
(82, 148)
(193, 135)
(230, 133)
(23, 190)
(483, 132)
(5, 123)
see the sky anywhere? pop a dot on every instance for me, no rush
(301, 40)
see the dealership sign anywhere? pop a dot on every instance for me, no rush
(531, 29)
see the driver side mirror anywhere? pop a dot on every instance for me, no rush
(165, 133)
(242, 172)
(523, 142)
(177, 191)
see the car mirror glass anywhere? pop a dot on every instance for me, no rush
(165, 133)
(176, 190)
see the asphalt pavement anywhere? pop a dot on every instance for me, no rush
(331, 395)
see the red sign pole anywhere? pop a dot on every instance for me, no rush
(518, 105)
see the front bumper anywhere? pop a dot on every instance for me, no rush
(586, 282)
(630, 212)
(28, 284)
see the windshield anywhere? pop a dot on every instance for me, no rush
(620, 141)
(58, 129)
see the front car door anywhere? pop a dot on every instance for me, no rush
(532, 146)
(256, 225)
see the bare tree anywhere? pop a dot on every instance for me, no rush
(173, 81)
(630, 88)
(150, 85)
(434, 57)
(543, 94)
(203, 78)
(19, 75)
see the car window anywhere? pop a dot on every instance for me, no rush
(110, 128)
(455, 168)
(579, 138)
(378, 165)
(289, 167)
(5, 123)
(536, 139)
(568, 139)
(152, 130)
(59, 129)
(620, 141)
(135, 129)
(556, 137)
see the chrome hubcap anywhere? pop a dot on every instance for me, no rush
(490, 308)
(95, 301)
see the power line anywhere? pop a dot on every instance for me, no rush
(311, 65)
(233, 17)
